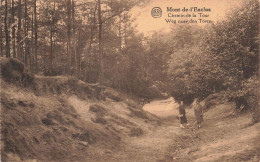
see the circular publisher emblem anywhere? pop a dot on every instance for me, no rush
(156, 12)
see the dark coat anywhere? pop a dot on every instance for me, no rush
(182, 114)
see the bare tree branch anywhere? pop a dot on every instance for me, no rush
(113, 16)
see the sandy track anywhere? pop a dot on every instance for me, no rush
(153, 145)
(223, 137)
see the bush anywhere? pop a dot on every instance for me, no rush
(250, 89)
(245, 97)
(135, 132)
(99, 110)
(113, 96)
(213, 100)
(13, 70)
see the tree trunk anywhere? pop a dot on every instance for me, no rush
(69, 37)
(32, 50)
(125, 36)
(75, 65)
(35, 36)
(79, 57)
(93, 25)
(1, 40)
(51, 38)
(44, 61)
(13, 31)
(119, 32)
(19, 50)
(51, 50)
(100, 45)
(120, 29)
(26, 52)
(6, 31)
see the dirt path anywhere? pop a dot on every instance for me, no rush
(223, 137)
(153, 145)
(150, 147)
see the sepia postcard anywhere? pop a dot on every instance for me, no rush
(129, 80)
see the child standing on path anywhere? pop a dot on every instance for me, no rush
(198, 111)
(182, 115)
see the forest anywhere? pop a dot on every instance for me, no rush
(96, 42)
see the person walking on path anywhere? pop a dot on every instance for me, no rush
(198, 111)
(182, 115)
